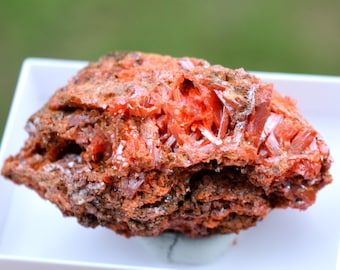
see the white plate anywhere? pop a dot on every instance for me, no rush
(34, 235)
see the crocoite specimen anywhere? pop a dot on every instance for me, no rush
(144, 143)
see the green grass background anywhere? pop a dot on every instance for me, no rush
(285, 36)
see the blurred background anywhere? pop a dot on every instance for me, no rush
(284, 36)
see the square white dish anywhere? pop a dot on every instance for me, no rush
(34, 235)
